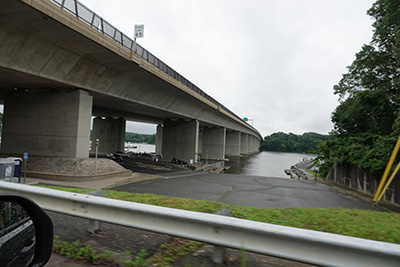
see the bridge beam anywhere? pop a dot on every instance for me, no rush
(111, 134)
(55, 124)
(214, 140)
(233, 143)
(180, 140)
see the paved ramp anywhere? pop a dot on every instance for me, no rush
(255, 191)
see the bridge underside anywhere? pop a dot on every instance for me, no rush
(54, 78)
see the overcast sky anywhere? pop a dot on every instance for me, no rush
(272, 61)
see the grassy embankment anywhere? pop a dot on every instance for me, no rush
(374, 225)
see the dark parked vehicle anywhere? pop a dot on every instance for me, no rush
(115, 157)
(121, 154)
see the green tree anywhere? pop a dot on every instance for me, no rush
(282, 142)
(366, 122)
(140, 138)
(377, 65)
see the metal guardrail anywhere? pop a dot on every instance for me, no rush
(274, 240)
(86, 15)
(212, 166)
(299, 172)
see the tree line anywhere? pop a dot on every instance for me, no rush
(282, 142)
(140, 138)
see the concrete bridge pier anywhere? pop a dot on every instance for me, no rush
(159, 139)
(255, 144)
(250, 144)
(111, 134)
(244, 144)
(47, 123)
(200, 144)
(233, 143)
(214, 140)
(180, 140)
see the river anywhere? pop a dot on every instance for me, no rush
(140, 148)
(271, 164)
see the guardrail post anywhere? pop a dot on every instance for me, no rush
(93, 224)
(219, 251)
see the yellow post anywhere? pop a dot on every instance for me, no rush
(387, 170)
(388, 183)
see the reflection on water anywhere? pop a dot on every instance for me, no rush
(271, 164)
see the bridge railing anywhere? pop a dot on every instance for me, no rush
(280, 241)
(91, 18)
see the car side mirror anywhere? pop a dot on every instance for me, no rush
(26, 232)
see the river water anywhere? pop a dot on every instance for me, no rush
(271, 164)
(140, 148)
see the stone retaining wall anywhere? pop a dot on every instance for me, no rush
(357, 179)
(71, 169)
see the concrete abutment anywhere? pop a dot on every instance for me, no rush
(47, 123)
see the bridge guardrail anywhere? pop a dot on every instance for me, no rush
(274, 240)
(91, 18)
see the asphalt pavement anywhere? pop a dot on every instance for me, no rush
(245, 190)
(169, 180)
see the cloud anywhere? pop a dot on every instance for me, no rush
(275, 62)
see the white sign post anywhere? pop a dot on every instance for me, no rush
(139, 33)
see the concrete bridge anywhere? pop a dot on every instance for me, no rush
(61, 64)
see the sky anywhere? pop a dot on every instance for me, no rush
(272, 61)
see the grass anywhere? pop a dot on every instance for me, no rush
(368, 224)
(81, 252)
(313, 174)
(168, 253)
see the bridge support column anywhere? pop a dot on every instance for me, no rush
(251, 144)
(50, 124)
(214, 143)
(244, 144)
(255, 144)
(200, 144)
(233, 143)
(159, 139)
(110, 132)
(180, 140)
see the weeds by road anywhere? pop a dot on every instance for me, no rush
(368, 224)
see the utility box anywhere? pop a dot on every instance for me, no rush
(17, 167)
(7, 168)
